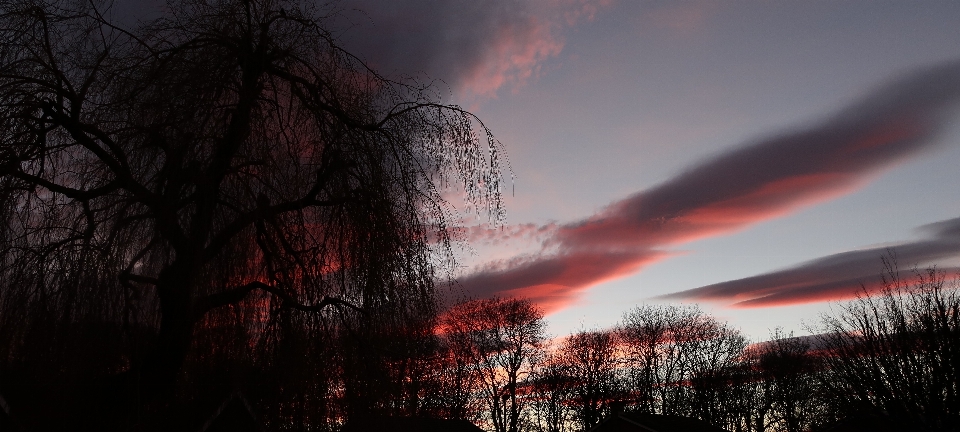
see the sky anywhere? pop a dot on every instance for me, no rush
(757, 158)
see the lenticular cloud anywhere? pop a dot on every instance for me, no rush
(834, 277)
(760, 180)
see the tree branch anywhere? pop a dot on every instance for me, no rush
(221, 238)
(235, 295)
(127, 276)
(77, 194)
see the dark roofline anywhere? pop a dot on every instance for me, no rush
(226, 402)
(632, 420)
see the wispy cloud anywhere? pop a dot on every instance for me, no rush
(479, 47)
(835, 277)
(763, 179)
(490, 234)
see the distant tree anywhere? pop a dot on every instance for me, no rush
(738, 399)
(553, 388)
(647, 332)
(456, 376)
(788, 393)
(452, 382)
(187, 189)
(590, 361)
(502, 341)
(897, 353)
(715, 351)
(678, 360)
(387, 365)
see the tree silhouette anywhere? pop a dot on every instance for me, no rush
(554, 386)
(679, 361)
(896, 353)
(200, 183)
(500, 341)
(589, 358)
(787, 368)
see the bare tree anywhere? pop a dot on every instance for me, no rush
(714, 351)
(896, 352)
(678, 360)
(773, 386)
(590, 361)
(788, 394)
(502, 340)
(553, 388)
(646, 334)
(210, 177)
(454, 381)
(455, 372)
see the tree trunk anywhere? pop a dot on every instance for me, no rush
(176, 330)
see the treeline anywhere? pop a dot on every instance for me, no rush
(892, 356)
(490, 361)
(895, 355)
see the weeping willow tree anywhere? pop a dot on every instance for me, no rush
(219, 186)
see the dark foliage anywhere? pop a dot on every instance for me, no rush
(897, 354)
(220, 197)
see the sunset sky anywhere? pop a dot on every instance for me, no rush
(756, 157)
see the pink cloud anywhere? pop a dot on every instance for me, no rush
(554, 280)
(575, 11)
(514, 56)
(835, 277)
(479, 47)
(764, 179)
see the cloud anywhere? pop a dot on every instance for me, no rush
(475, 46)
(835, 277)
(490, 234)
(766, 178)
(553, 281)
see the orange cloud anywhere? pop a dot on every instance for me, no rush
(553, 282)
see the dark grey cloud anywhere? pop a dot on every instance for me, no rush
(763, 179)
(774, 175)
(834, 277)
(477, 45)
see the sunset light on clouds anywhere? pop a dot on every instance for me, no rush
(836, 277)
(764, 180)
(486, 215)
(750, 155)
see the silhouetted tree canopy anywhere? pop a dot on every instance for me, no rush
(589, 360)
(897, 353)
(223, 202)
(212, 183)
(495, 345)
